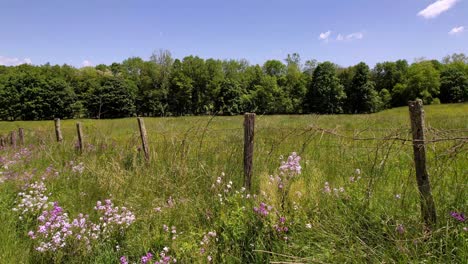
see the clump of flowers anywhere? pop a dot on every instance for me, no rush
(173, 231)
(281, 227)
(206, 242)
(84, 230)
(112, 217)
(458, 216)
(33, 200)
(77, 168)
(263, 209)
(164, 258)
(400, 229)
(356, 176)
(328, 190)
(22, 155)
(291, 166)
(53, 230)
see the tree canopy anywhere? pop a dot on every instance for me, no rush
(165, 86)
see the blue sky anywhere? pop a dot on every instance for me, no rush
(343, 31)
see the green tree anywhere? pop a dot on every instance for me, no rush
(114, 98)
(387, 74)
(423, 82)
(274, 68)
(361, 95)
(325, 94)
(453, 85)
(180, 99)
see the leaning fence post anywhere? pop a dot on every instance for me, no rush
(21, 136)
(58, 131)
(79, 130)
(13, 139)
(249, 129)
(144, 139)
(428, 210)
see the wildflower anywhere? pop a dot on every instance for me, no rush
(327, 189)
(292, 164)
(400, 229)
(458, 216)
(33, 200)
(157, 209)
(123, 260)
(170, 202)
(209, 258)
(263, 209)
(397, 196)
(309, 225)
(79, 168)
(147, 258)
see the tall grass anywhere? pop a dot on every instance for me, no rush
(376, 219)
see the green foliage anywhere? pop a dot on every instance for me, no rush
(453, 85)
(356, 225)
(325, 95)
(361, 94)
(163, 86)
(113, 98)
(423, 82)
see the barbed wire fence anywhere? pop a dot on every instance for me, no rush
(267, 141)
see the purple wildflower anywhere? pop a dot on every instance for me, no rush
(458, 216)
(292, 164)
(123, 260)
(400, 229)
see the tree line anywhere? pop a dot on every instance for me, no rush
(164, 86)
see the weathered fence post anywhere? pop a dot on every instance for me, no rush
(13, 139)
(144, 139)
(21, 136)
(79, 130)
(428, 210)
(58, 131)
(2, 142)
(249, 129)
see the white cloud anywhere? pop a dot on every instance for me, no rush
(7, 61)
(437, 8)
(350, 37)
(325, 35)
(457, 30)
(356, 35)
(86, 63)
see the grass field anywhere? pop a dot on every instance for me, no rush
(373, 216)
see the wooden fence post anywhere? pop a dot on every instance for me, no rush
(2, 142)
(21, 136)
(144, 139)
(58, 131)
(79, 130)
(13, 139)
(428, 210)
(249, 129)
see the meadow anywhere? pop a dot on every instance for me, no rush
(351, 197)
